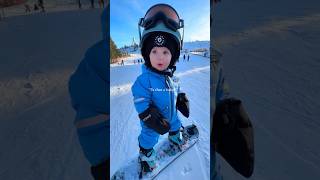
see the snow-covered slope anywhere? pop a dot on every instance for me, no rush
(125, 127)
(37, 55)
(272, 62)
(196, 45)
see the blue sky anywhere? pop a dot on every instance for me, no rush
(125, 14)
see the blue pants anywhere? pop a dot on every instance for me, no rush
(149, 137)
(95, 142)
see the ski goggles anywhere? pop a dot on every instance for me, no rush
(164, 13)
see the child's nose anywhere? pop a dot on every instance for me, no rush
(161, 56)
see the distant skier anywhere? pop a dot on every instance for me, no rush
(79, 4)
(35, 7)
(2, 15)
(101, 3)
(122, 63)
(92, 3)
(184, 57)
(41, 5)
(89, 92)
(27, 8)
(188, 58)
(156, 96)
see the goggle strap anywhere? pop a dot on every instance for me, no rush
(139, 34)
(181, 23)
(182, 39)
(141, 21)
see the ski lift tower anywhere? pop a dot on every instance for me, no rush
(134, 44)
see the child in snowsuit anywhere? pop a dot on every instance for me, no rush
(156, 96)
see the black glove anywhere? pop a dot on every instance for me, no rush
(233, 135)
(101, 171)
(183, 104)
(154, 120)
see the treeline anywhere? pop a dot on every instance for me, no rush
(115, 52)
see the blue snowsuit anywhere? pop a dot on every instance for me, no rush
(219, 91)
(159, 90)
(89, 92)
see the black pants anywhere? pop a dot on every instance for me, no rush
(101, 171)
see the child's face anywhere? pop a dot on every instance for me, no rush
(160, 58)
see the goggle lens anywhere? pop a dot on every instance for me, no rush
(168, 11)
(164, 13)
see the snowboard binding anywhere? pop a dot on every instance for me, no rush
(176, 141)
(190, 132)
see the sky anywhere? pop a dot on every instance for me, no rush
(125, 15)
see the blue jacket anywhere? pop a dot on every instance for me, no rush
(159, 90)
(89, 92)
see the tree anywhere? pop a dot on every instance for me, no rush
(114, 51)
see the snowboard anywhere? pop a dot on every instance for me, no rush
(166, 153)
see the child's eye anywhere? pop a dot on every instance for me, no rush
(154, 51)
(165, 52)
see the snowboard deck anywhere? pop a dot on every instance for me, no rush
(166, 154)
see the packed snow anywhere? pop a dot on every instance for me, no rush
(272, 62)
(38, 54)
(194, 77)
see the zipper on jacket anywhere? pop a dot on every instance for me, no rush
(170, 97)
